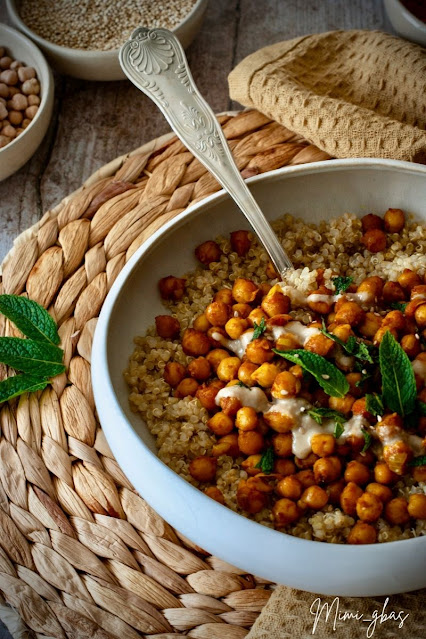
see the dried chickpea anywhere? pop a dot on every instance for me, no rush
(420, 315)
(396, 511)
(245, 373)
(371, 221)
(374, 240)
(320, 345)
(218, 313)
(206, 394)
(256, 315)
(220, 424)
(409, 279)
(349, 497)
(362, 533)
(327, 469)
(342, 404)
(285, 512)
(226, 445)
(250, 442)
(380, 491)
(246, 419)
(241, 242)
(393, 292)
(171, 288)
(357, 473)
(259, 351)
(15, 118)
(369, 507)
(167, 326)
(188, 386)
(417, 506)
(215, 356)
(250, 498)
(203, 468)
(241, 310)
(394, 220)
(276, 304)
(174, 373)
(349, 313)
(208, 252)
(285, 385)
(370, 324)
(235, 327)
(244, 291)
(282, 444)
(290, 488)
(323, 444)
(30, 87)
(228, 369)
(313, 497)
(265, 374)
(201, 323)
(214, 493)
(199, 369)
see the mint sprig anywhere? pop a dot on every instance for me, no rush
(399, 306)
(14, 386)
(338, 430)
(266, 462)
(354, 346)
(374, 404)
(40, 359)
(31, 318)
(418, 461)
(398, 381)
(328, 376)
(326, 413)
(259, 329)
(367, 440)
(341, 283)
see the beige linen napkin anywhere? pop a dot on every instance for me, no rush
(351, 93)
(294, 614)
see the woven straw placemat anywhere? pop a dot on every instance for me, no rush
(82, 555)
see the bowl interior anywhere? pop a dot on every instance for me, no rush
(313, 192)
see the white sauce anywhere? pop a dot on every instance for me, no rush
(301, 332)
(298, 298)
(237, 346)
(253, 397)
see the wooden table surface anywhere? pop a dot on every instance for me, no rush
(94, 122)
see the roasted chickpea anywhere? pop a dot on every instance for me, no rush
(383, 474)
(220, 424)
(396, 511)
(369, 507)
(171, 288)
(306, 477)
(381, 492)
(228, 369)
(411, 345)
(284, 466)
(215, 356)
(374, 240)
(342, 331)
(244, 291)
(174, 373)
(271, 271)
(206, 394)
(285, 385)
(349, 313)
(245, 373)
(397, 456)
(195, 342)
(417, 506)
(380, 333)
(327, 469)
(241, 310)
(250, 498)
(357, 473)
(203, 468)
(420, 316)
(409, 279)
(241, 242)
(313, 497)
(235, 327)
(370, 324)
(199, 369)
(287, 342)
(187, 386)
(250, 442)
(282, 444)
(252, 464)
(217, 335)
(290, 488)
(395, 319)
(226, 445)
(224, 295)
(306, 462)
(276, 304)
(256, 316)
(349, 497)
(323, 444)
(419, 473)
(371, 288)
(359, 407)
(218, 313)
(342, 404)
(246, 419)
(167, 326)
(371, 221)
(264, 288)
(285, 512)
(334, 490)
(259, 351)
(208, 252)
(317, 300)
(353, 379)
(362, 533)
(394, 220)
(320, 345)
(265, 374)
(230, 405)
(214, 493)
(393, 292)
(201, 323)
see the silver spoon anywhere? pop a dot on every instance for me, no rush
(153, 59)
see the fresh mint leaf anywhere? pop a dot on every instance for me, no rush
(398, 382)
(341, 284)
(326, 413)
(338, 430)
(354, 346)
(243, 385)
(328, 376)
(336, 339)
(367, 440)
(418, 461)
(266, 462)
(14, 386)
(31, 318)
(399, 306)
(374, 404)
(39, 359)
(259, 329)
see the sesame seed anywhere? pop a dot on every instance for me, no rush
(379, 419)
(364, 371)
(284, 392)
(325, 376)
(416, 335)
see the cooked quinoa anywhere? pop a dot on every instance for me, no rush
(179, 425)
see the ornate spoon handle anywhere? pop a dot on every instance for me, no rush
(153, 59)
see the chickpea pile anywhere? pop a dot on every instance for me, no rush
(19, 97)
(356, 475)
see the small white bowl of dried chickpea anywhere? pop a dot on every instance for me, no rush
(83, 39)
(26, 99)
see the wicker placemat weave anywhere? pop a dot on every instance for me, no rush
(82, 555)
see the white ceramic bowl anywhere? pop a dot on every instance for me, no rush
(16, 153)
(315, 191)
(405, 23)
(100, 65)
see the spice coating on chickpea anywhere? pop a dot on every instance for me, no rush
(374, 240)
(244, 291)
(167, 326)
(208, 252)
(241, 242)
(171, 288)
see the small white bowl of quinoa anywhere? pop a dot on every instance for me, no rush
(82, 38)
(257, 416)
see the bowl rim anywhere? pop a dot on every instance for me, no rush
(103, 386)
(412, 19)
(45, 87)
(81, 53)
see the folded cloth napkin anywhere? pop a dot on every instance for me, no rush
(351, 93)
(293, 614)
